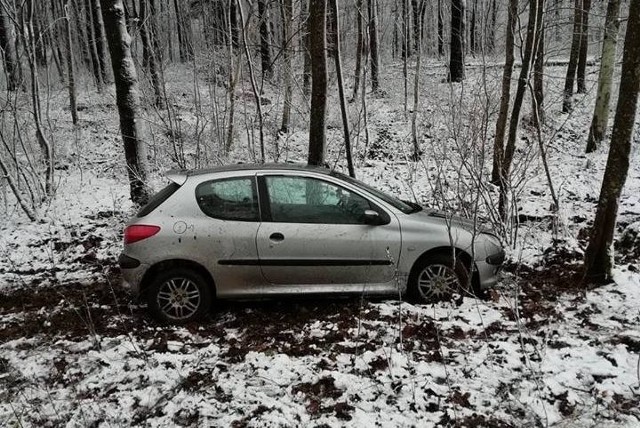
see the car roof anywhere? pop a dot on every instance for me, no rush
(179, 176)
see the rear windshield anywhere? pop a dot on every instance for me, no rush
(157, 199)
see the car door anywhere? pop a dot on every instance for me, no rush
(228, 238)
(314, 232)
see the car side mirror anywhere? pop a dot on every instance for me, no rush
(372, 217)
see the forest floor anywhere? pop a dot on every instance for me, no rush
(77, 350)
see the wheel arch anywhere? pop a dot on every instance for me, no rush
(164, 265)
(466, 258)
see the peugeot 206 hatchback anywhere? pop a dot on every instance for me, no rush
(247, 231)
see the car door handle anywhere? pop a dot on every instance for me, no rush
(276, 237)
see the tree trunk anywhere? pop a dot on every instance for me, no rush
(472, 29)
(127, 96)
(183, 26)
(584, 47)
(507, 72)
(29, 39)
(567, 103)
(373, 44)
(287, 17)
(101, 43)
(491, 36)
(598, 258)
(317, 42)
(147, 34)
(440, 30)
(537, 99)
(416, 94)
(359, 49)
(93, 47)
(265, 44)
(607, 65)
(343, 101)
(71, 79)
(306, 49)
(8, 51)
(415, 12)
(533, 26)
(456, 61)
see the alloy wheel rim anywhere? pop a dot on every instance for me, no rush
(179, 298)
(438, 281)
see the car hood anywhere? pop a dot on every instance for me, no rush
(449, 220)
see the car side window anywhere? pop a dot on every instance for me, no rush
(309, 200)
(229, 199)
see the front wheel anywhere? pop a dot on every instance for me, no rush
(179, 296)
(438, 278)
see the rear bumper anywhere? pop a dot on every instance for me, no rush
(132, 272)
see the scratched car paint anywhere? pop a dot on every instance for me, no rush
(252, 231)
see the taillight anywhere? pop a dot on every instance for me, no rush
(138, 232)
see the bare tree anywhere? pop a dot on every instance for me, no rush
(456, 60)
(359, 49)
(343, 101)
(287, 28)
(265, 40)
(507, 72)
(71, 80)
(373, 44)
(584, 47)
(607, 64)
(567, 103)
(183, 26)
(533, 27)
(153, 64)
(7, 50)
(101, 43)
(127, 96)
(598, 260)
(317, 42)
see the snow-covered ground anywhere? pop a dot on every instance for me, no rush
(77, 350)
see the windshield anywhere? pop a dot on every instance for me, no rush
(405, 207)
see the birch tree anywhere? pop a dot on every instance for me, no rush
(607, 65)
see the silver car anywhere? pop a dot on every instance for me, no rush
(248, 231)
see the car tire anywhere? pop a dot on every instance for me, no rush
(179, 296)
(438, 278)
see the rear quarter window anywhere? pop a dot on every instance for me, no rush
(157, 199)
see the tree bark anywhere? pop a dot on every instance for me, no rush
(359, 49)
(127, 96)
(584, 47)
(456, 61)
(101, 43)
(265, 43)
(183, 26)
(598, 260)
(287, 16)
(533, 26)
(567, 103)
(317, 39)
(607, 65)
(153, 66)
(343, 101)
(507, 72)
(8, 51)
(537, 100)
(71, 79)
(440, 30)
(93, 47)
(373, 44)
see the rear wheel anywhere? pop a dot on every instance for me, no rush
(439, 278)
(179, 296)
